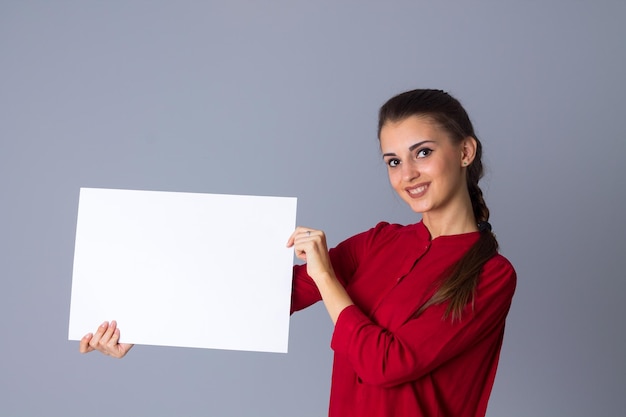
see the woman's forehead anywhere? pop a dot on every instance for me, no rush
(411, 129)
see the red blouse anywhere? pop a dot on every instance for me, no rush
(389, 364)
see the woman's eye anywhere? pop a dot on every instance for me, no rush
(422, 153)
(393, 163)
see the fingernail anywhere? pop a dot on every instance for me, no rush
(105, 324)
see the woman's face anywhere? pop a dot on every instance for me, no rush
(426, 168)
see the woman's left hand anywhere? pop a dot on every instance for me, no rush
(310, 246)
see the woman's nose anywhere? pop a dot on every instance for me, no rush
(409, 171)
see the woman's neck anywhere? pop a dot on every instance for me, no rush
(450, 222)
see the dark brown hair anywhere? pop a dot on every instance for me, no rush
(458, 285)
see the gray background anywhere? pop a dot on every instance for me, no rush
(280, 98)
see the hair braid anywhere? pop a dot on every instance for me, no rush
(474, 174)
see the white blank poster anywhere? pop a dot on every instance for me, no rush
(184, 269)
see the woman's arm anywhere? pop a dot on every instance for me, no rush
(388, 358)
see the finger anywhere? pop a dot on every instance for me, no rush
(98, 335)
(292, 239)
(305, 234)
(112, 345)
(115, 337)
(305, 240)
(104, 332)
(310, 240)
(106, 337)
(117, 349)
(83, 346)
(300, 254)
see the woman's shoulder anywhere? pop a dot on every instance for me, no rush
(500, 262)
(499, 271)
(384, 227)
(384, 232)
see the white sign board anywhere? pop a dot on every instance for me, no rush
(184, 269)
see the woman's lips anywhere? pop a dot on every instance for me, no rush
(417, 191)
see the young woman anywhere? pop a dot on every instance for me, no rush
(419, 310)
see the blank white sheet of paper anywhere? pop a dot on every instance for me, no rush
(184, 269)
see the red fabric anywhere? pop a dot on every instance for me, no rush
(389, 364)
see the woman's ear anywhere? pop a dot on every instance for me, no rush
(468, 150)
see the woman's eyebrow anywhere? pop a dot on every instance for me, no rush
(411, 148)
(418, 144)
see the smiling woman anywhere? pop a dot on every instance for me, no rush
(419, 310)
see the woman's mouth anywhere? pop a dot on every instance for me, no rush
(418, 191)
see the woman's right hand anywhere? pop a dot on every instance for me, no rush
(105, 340)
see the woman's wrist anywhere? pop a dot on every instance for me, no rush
(333, 294)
